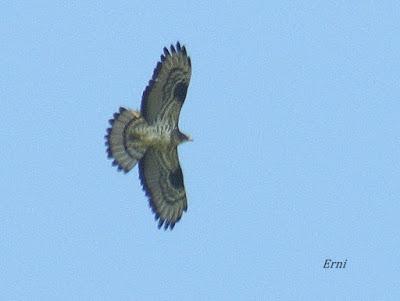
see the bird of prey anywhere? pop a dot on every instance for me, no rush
(151, 137)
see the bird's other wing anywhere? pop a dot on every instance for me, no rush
(166, 92)
(162, 180)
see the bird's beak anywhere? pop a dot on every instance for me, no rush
(190, 139)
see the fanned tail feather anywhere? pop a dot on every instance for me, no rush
(122, 145)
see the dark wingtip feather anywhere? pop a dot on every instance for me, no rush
(166, 51)
(178, 46)
(173, 49)
(166, 226)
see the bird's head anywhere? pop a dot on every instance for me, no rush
(180, 137)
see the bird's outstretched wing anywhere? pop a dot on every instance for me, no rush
(162, 180)
(164, 96)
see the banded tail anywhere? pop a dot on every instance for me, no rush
(123, 145)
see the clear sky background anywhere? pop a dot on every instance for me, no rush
(294, 110)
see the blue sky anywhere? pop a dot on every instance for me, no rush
(294, 110)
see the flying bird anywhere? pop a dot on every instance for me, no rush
(151, 137)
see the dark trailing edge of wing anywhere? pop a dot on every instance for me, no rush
(167, 224)
(146, 92)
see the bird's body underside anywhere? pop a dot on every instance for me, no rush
(150, 137)
(130, 136)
